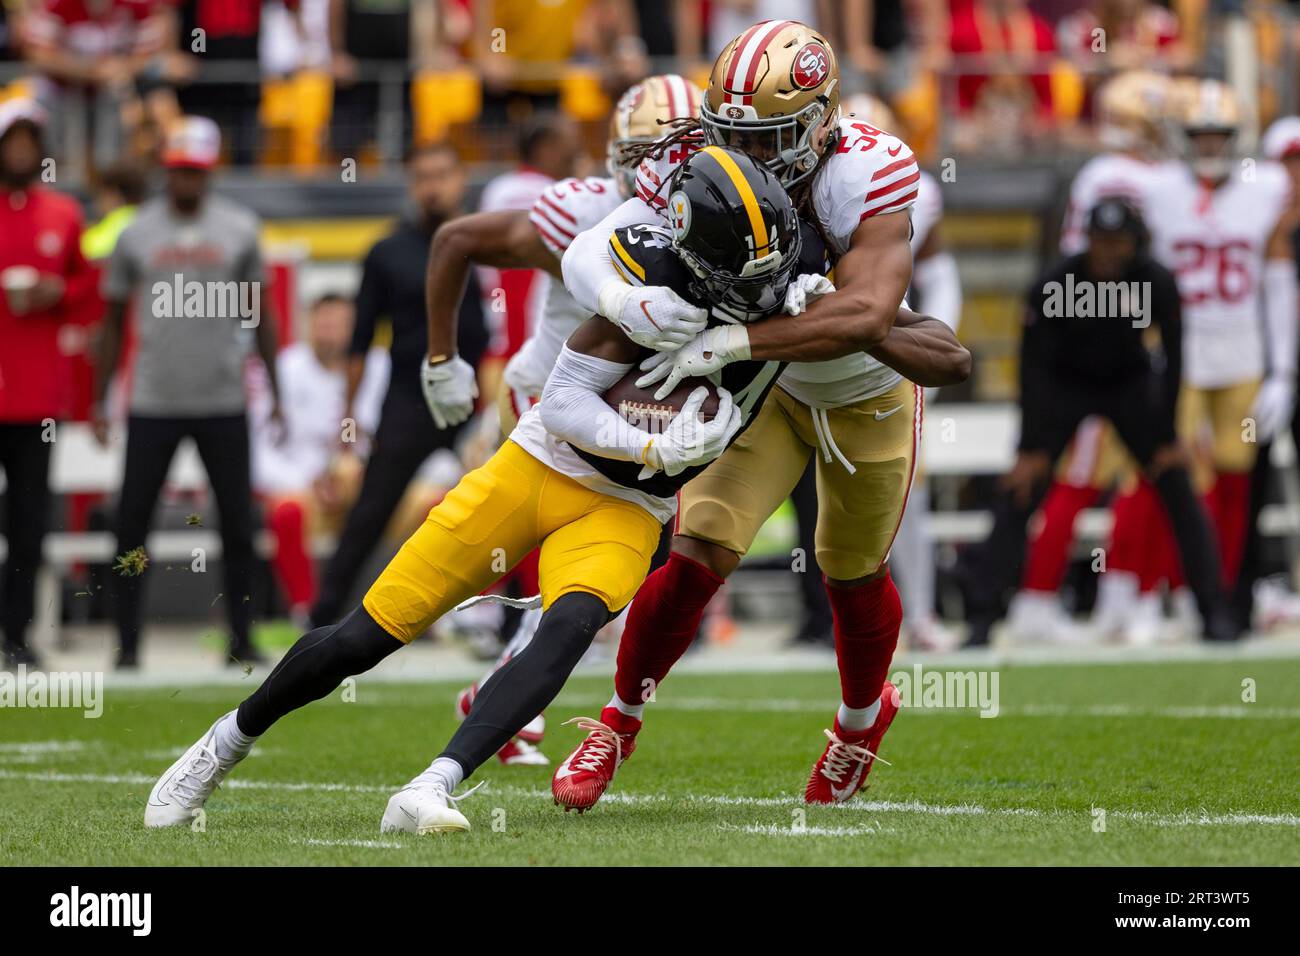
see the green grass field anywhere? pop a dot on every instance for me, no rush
(1185, 772)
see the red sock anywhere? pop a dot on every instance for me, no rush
(661, 625)
(867, 617)
(1128, 514)
(1049, 550)
(1232, 489)
(292, 563)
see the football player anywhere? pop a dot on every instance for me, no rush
(937, 285)
(1217, 221)
(535, 239)
(575, 478)
(774, 91)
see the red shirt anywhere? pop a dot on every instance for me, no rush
(40, 228)
(1013, 46)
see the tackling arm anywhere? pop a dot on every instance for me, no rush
(924, 350)
(871, 280)
(504, 240)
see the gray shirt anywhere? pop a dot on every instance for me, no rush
(196, 282)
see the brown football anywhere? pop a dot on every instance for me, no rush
(639, 407)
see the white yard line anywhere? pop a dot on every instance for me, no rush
(1186, 818)
(363, 844)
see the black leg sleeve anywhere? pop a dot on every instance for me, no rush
(314, 667)
(522, 689)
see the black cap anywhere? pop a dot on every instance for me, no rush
(1116, 215)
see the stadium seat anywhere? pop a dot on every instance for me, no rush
(441, 98)
(581, 95)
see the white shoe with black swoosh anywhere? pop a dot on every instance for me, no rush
(188, 783)
(424, 808)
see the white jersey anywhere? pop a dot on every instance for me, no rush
(871, 173)
(311, 402)
(1216, 242)
(563, 210)
(1108, 176)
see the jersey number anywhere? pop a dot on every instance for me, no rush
(1221, 273)
(866, 138)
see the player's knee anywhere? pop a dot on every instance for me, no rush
(569, 626)
(718, 559)
(848, 566)
(352, 646)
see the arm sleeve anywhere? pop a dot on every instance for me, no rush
(573, 411)
(1280, 315)
(939, 283)
(587, 265)
(371, 303)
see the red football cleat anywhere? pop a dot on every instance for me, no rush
(581, 780)
(847, 759)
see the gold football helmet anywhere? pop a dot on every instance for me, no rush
(775, 93)
(1132, 111)
(872, 110)
(1207, 125)
(640, 117)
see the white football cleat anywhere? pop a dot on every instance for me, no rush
(188, 783)
(424, 808)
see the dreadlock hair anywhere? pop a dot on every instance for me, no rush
(689, 130)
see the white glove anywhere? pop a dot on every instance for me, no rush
(804, 291)
(687, 441)
(702, 355)
(653, 316)
(1272, 406)
(450, 388)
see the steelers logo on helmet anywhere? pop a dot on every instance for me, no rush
(735, 228)
(679, 214)
(810, 67)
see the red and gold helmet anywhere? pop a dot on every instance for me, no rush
(775, 93)
(642, 115)
(1132, 112)
(1208, 122)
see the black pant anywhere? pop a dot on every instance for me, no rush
(1133, 407)
(405, 438)
(223, 446)
(25, 458)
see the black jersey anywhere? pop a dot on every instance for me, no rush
(643, 255)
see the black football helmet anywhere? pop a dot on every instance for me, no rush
(735, 228)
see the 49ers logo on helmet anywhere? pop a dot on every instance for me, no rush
(811, 65)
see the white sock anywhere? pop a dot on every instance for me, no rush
(445, 771)
(229, 741)
(857, 718)
(626, 709)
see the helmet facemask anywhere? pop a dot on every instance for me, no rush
(785, 144)
(757, 292)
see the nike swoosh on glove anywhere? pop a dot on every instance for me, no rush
(653, 316)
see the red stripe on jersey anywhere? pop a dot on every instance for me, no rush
(893, 167)
(559, 227)
(547, 200)
(891, 207)
(894, 186)
(547, 231)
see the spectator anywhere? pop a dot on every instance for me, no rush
(230, 35)
(384, 35)
(306, 482)
(392, 287)
(1111, 36)
(118, 195)
(1004, 89)
(879, 39)
(179, 259)
(45, 281)
(124, 50)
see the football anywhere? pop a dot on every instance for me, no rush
(639, 407)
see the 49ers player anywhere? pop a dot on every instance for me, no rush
(535, 239)
(1216, 221)
(774, 92)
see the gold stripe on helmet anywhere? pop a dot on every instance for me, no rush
(633, 266)
(756, 224)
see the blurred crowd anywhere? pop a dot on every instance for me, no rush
(300, 83)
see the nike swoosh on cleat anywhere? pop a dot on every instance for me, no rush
(840, 794)
(881, 416)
